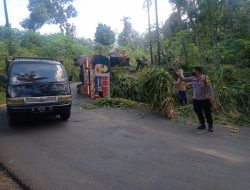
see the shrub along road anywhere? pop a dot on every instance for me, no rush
(117, 149)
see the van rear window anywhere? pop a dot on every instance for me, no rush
(36, 72)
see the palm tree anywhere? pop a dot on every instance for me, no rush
(7, 24)
(157, 34)
(147, 4)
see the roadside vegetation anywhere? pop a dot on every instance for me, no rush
(231, 104)
(214, 34)
(2, 97)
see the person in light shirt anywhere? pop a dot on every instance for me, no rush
(182, 88)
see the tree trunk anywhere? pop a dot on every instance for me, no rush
(179, 13)
(157, 34)
(7, 24)
(185, 52)
(197, 41)
(215, 50)
(150, 35)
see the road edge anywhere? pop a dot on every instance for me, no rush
(14, 178)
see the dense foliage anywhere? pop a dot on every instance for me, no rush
(155, 86)
(104, 35)
(151, 85)
(211, 33)
(15, 43)
(50, 12)
(128, 36)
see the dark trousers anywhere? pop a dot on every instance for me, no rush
(202, 107)
(183, 98)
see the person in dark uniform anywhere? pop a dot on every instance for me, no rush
(202, 95)
(141, 63)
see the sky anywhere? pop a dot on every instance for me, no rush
(92, 12)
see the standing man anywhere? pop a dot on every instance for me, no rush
(202, 95)
(182, 87)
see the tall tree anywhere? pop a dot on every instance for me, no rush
(104, 35)
(178, 23)
(147, 4)
(192, 10)
(179, 6)
(220, 29)
(173, 25)
(39, 15)
(126, 36)
(209, 17)
(157, 33)
(50, 12)
(7, 24)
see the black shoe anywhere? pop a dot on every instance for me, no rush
(201, 127)
(210, 129)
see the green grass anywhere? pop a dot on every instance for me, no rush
(152, 85)
(227, 118)
(2, 98)
(118, 103)
(232, 118)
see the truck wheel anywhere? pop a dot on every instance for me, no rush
(11, 119)
(65, 116)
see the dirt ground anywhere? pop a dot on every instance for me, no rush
(6, 183)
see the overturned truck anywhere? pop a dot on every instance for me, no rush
(94, 75)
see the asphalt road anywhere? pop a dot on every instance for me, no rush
(115, 149)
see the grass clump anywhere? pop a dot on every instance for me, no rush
(2, 98)
(120, 103)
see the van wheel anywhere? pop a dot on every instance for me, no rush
(65, 116)
(11, 119)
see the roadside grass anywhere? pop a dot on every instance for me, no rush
(153, 85)
(2, 98)
(121, 103)
(185, 114)
(233, 118)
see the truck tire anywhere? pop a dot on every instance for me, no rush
(65, 116)
(11, 118)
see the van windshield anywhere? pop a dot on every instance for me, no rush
(36, 72)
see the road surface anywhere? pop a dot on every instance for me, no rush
(113, 149)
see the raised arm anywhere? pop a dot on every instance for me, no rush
(178, 81)
(187, 79)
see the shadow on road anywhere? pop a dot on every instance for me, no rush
(28, 123)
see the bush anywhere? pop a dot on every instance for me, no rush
(232, 89)
(151, 85)
(2, 97)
